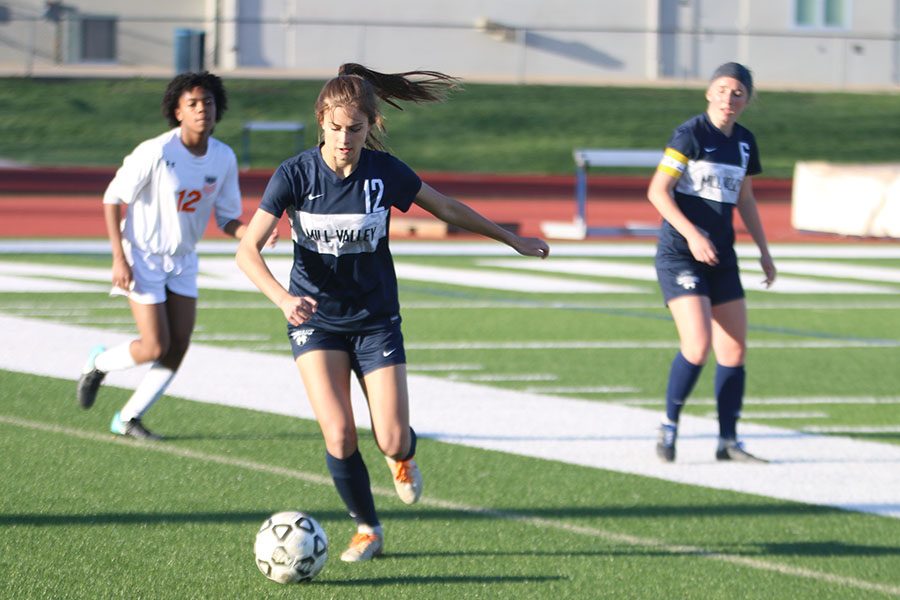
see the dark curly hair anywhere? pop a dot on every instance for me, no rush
(188, 81)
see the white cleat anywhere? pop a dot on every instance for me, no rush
(407, 479)
(363, 547)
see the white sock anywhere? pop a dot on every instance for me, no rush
(149, 391)
(115, 358)
(368, 530)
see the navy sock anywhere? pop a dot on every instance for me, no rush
(682, 377)
(351, 478)
(412, 445)
(729, 386)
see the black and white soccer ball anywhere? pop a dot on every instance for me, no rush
(290, 547)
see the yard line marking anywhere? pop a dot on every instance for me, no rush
(603, 435)
(524, 518)
(444, 367)
(647, 272)
(498, 377)
(627, 344)
(596, 389)
(633, 270)
(808, 401)
(99, 320)
(637, 305)
(779, 415)
(503, 280)
(834, 269)
(54, 309)
(853, 429)
(230, 337)
(417, 248)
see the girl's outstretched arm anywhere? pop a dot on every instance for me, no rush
(454, 212)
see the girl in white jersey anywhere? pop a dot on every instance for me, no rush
(156, 209)
(342, 305)
(705, 173)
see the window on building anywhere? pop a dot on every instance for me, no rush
(821, 14)
(90, 38)
(98, 39)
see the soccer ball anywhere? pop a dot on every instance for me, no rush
(291, 547)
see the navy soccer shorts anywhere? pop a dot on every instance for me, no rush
(368, 351)
(691, 278)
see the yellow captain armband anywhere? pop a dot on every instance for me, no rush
(673, 163)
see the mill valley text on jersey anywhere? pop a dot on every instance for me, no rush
(340, 229)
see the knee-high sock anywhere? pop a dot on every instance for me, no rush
(682, 378)
(149, 390)
(351, 478)
(412, 445)
(729, 386)
(115, 358)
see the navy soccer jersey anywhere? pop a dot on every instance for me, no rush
(340, 232)
(710, 168)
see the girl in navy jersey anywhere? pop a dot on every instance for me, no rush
(342, 304)
(704, 174)
(156, 209)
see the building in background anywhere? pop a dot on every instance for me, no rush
(826, 44)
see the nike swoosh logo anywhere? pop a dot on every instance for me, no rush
(311, 197)
(386, 353)
(712, 149)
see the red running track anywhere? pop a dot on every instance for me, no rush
(50, 203)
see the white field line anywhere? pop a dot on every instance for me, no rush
(444, 367)
(811, 401)
(629, 344)
(853, 429)
(229, 337)
(645, 249)
(37, 309)
(646, 272)
(833, 471)
(524, 518)
(545, 305)
(834, 269)
(222, 273)
(779, 415)
(499, 377)
(100, 320)
(587, 389)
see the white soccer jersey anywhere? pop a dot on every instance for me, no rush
(170, 193)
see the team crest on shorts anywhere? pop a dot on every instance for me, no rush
(300, 336)
(687, 280)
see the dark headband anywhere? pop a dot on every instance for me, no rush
(736, 71)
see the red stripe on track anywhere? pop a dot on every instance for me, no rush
(66, 202)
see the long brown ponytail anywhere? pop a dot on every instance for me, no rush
(360, 87)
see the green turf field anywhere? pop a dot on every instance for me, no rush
(483, 129)
(85, 515)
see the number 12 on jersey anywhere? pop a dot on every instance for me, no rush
(187, 200)
(374, 191)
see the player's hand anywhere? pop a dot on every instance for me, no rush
(768, 267)
(121, 274)
(532, 247)
(703, 250)
(298, 309)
